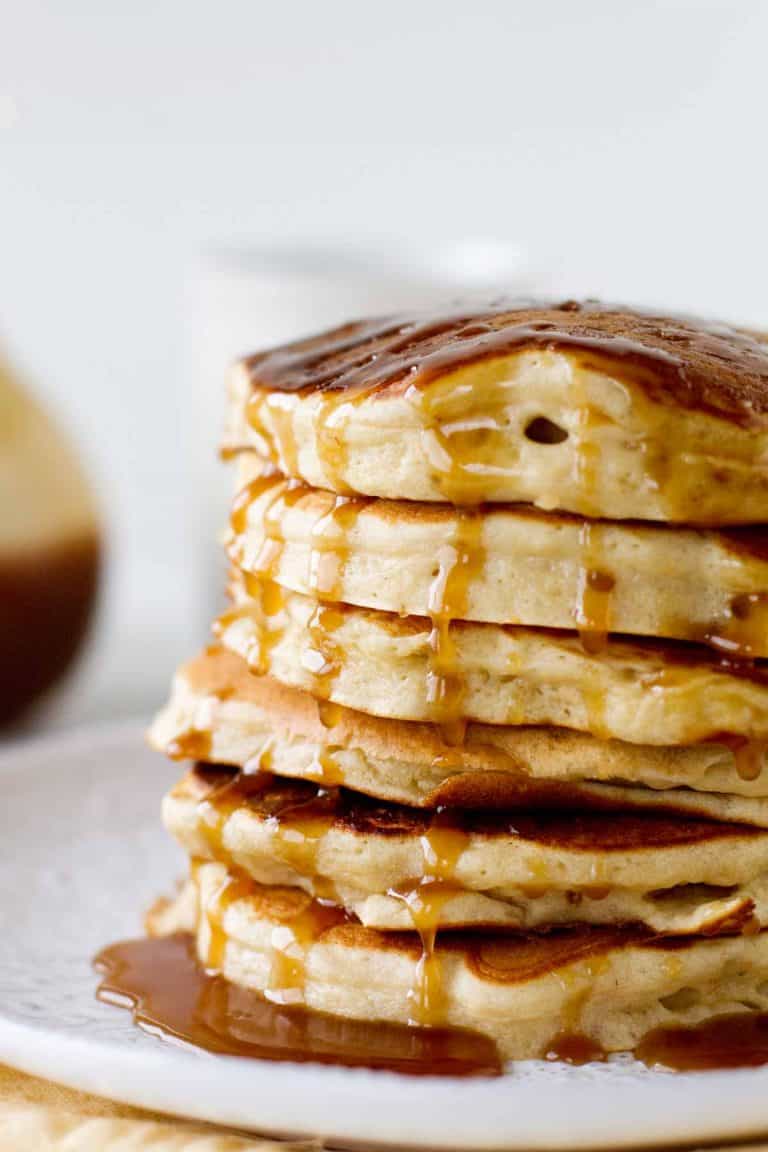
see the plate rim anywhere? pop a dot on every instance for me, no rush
(675, 1108)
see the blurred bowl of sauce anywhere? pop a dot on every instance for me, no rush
(50, 551)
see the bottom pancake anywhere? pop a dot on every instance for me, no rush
(400, 868)
(221, 712)
(531, 994)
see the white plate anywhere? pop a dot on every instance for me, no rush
(82, 852)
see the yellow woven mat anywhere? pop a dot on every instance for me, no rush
(37, 1116)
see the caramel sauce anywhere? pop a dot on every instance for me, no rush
(231, 889)
(329, 714)
(594, 593)
(458, 564)
(681, 360)
(586, 452)
(453, 449)
(282, 446)
(570, 1043)
(297, 831)
(290, 943)
(194, 744)
(266, 565)
(325, 767)
(47, 598)
(238, 515)
(171, 996)
(296, 818)
(323, 658)
(442, 843)
(748, 755)
(270, 601)
(330, 428)
(330, 547)
(737, 1040)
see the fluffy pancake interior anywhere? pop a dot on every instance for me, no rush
(455, 412)
(504, 564)
(651, 693)
(220, 711)
(610, 985)
(399, 868)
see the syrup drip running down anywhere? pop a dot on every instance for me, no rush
(291, 943)
(172, 996)
(330, 547)
(281, 446)
(296, 831)
(266, 564)
(194, 744)
(593, 604)
(570, 1044)
(269, 602)
(442, 846)
(458, 564)
(748, 755)
(323, 657)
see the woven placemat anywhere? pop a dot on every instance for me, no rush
(37, 1116)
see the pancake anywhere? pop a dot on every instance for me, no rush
(643, 693)
(397, 868)
(506, 564)
(220, 712)
(603, 411)
(530, 994)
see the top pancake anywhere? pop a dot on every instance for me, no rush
(592, 409)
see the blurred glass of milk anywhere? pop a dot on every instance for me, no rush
(246, 300)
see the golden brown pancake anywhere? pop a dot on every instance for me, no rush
(505, 564)
(649, 692)
(529, 993)
(219, 711)
(600, 410)
(397, 868)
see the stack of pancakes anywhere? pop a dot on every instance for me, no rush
(482, 739)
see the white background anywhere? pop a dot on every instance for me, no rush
(619, 145)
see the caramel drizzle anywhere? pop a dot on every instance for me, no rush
(297, 832)
(458, 564)
(194, 744)
(271, 606)
(325, 767)
(231, 889)
(748, 755)
(280, 443)
(570, 1043)
(594, 592)
(451, 447)
(213, 813)
(291, 942)
(442, 846)
(324, 656)
(330, 547)
(266, 564)
(417, 347)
